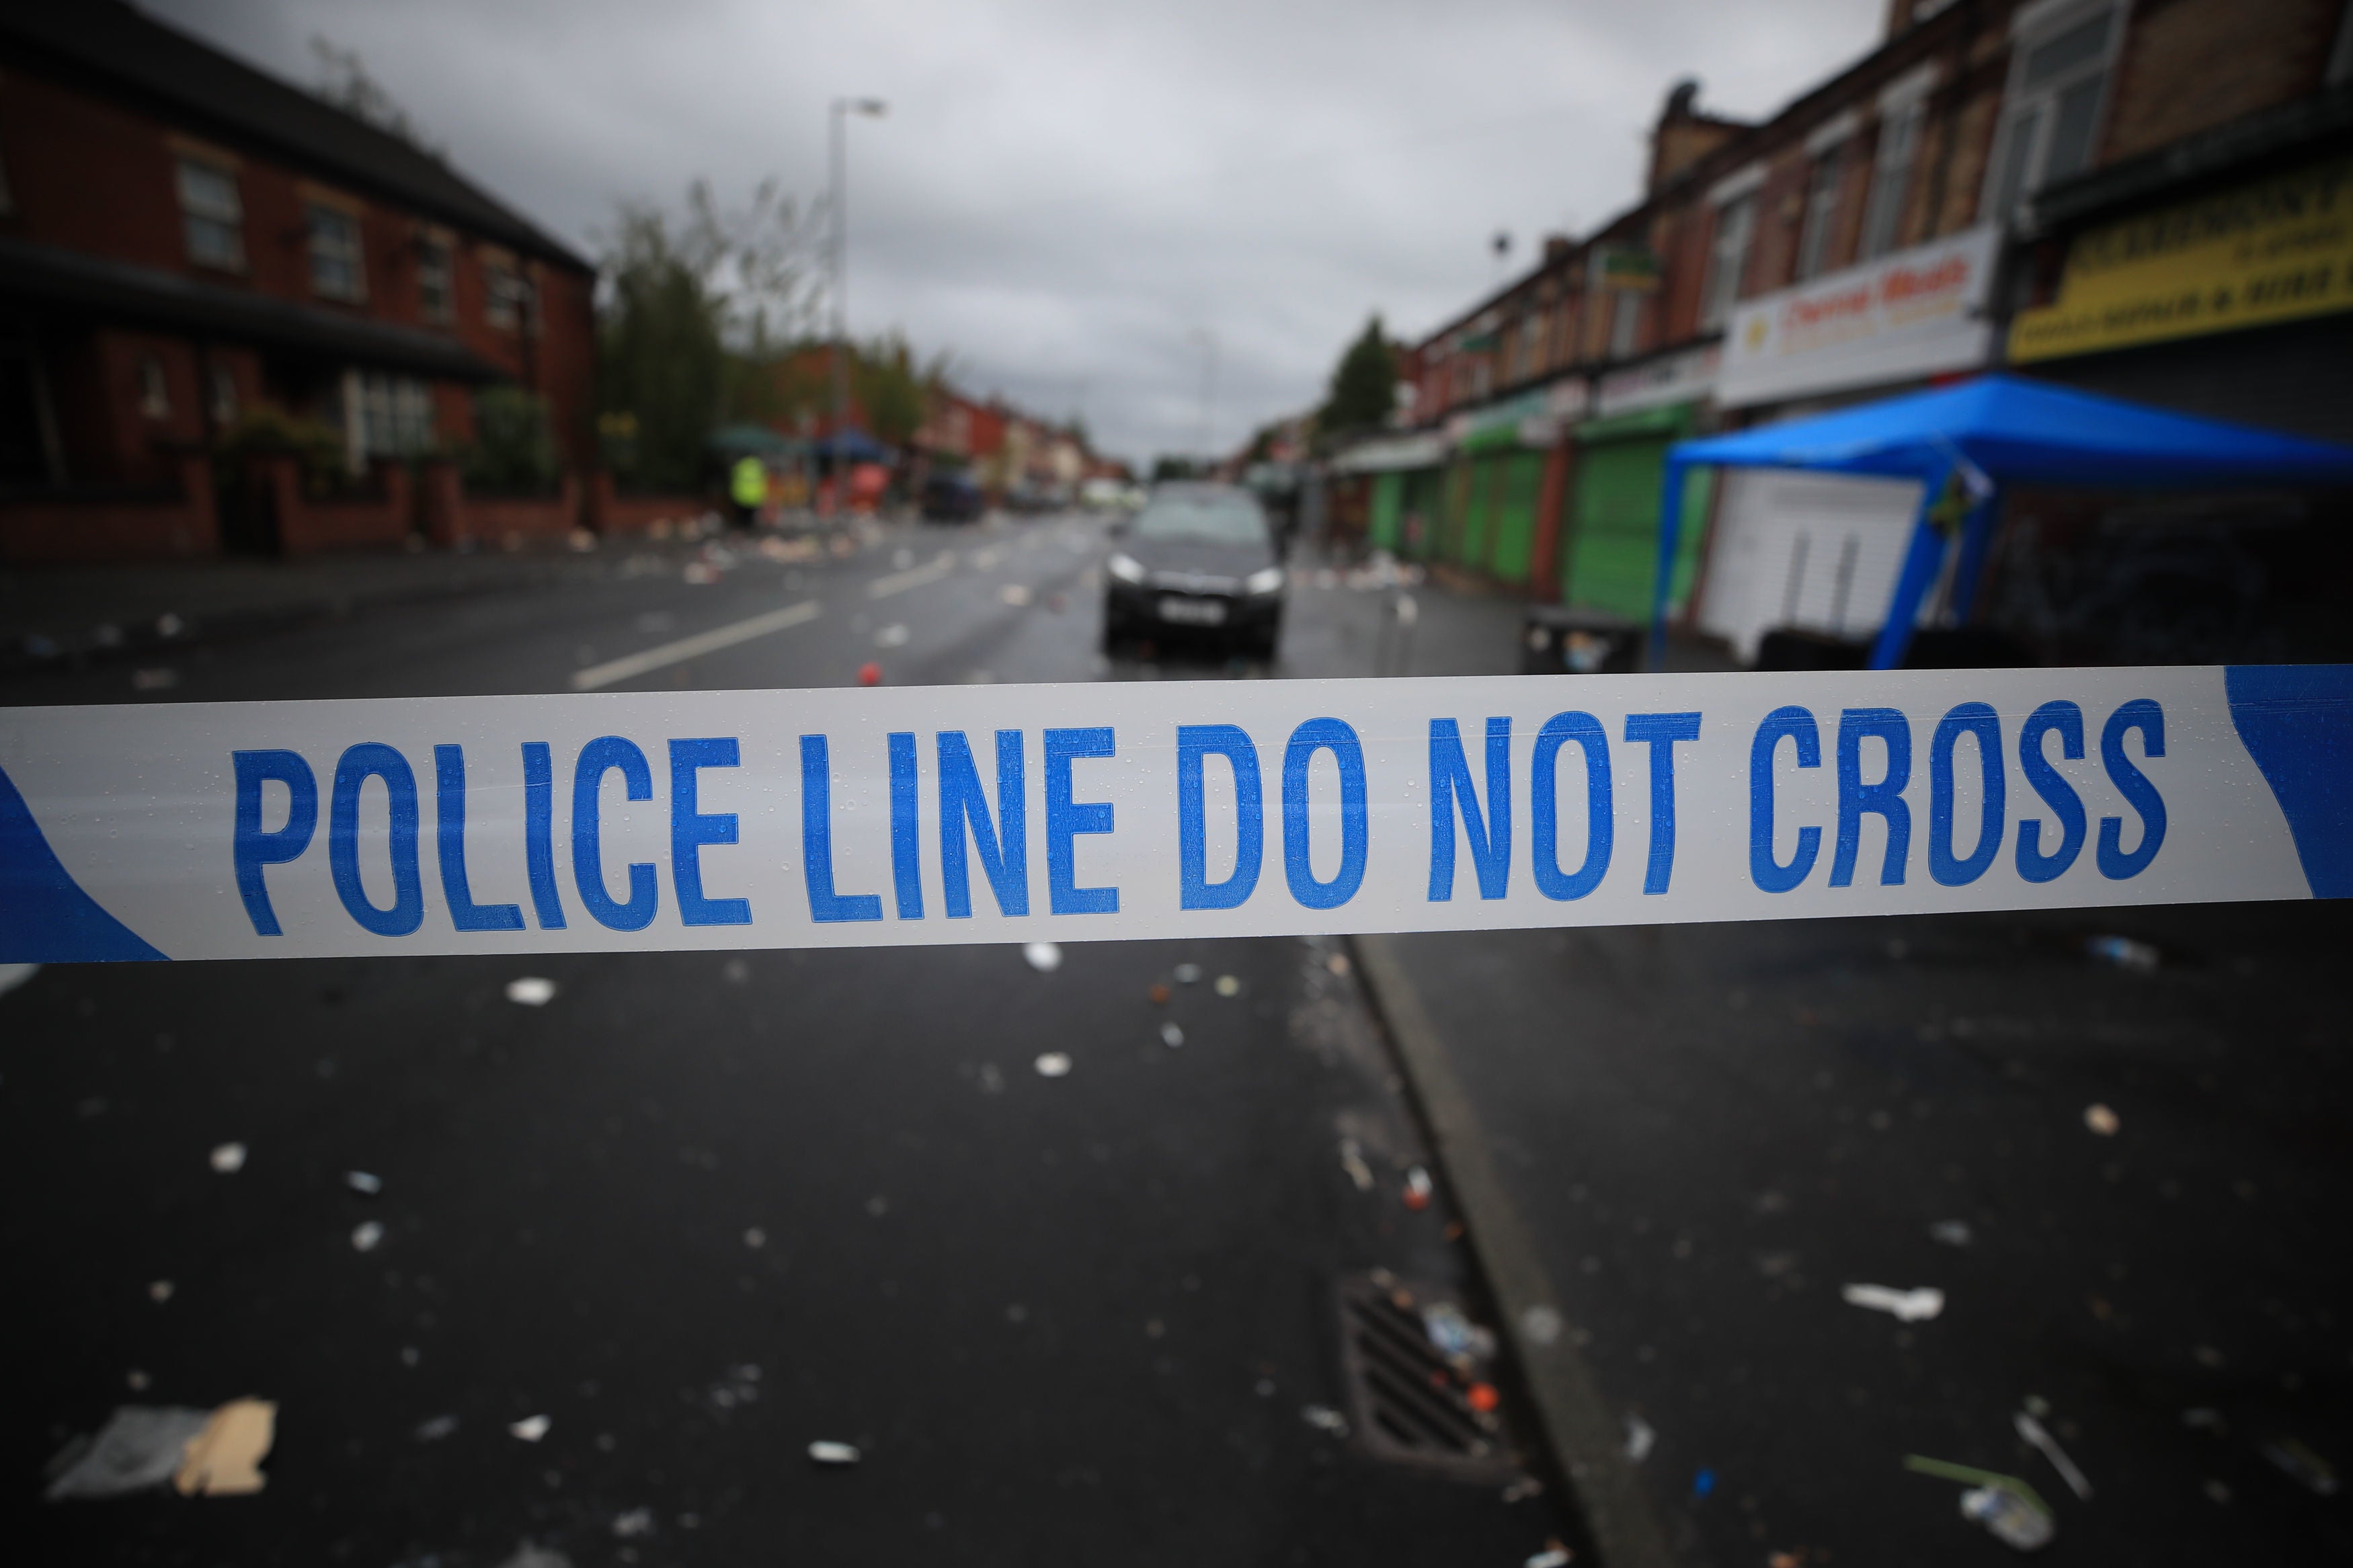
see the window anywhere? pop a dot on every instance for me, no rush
(336, 269)
(1821, 211)
(1727, 258)
(1625, 321)
(212, 215)
(2058, 83)
(1891, 175)
(221, 385)
(506, 296)
(154, 392)
(436, 293)
(395, 415)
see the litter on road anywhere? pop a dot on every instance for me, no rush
(1553, 1556)
(160, 1290)
(1418, 1188)
(1229, 987)
(223, 1459)
(530, 991)
(1951, 1232)
(526, 1555)
(1189, 973)
(2301, 1464)
(531, 1428)
(1351, 1160)
(1914, 1306)
(754, 1237)
(1171, 1035)
(363, 1182)
(139, 1447)
(228, 1159)
(1045, 957)
(1542, 1324)
(1159, 994)
(2122, 952)
(435, 1429)
(1324, 1418)
(637, 1521)
(2010, 1509)
(2035, 1433)
(1641, 1438)
(365, 1236)
(1452, 1335)
(1053, 1064)
(2101, 1119)
(828, 1453)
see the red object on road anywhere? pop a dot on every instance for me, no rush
(869, 674)
(1482, 1397)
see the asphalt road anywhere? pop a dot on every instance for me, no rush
(701, 1211)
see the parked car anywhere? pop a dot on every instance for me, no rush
(952, 498)
(1200, 560)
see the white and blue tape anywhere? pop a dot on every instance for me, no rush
(939, 814)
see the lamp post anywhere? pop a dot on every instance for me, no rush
(839, 201)
(1208, 338)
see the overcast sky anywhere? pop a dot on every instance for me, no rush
(1073, 197)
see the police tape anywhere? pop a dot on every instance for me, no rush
(727, 819)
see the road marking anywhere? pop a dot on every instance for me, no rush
(598, 676)
(912, 577)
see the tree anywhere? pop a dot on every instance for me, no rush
(894, 391)
(1364, 385)
(663, 360)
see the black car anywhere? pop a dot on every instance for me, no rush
(951, 497)
(1198, 560)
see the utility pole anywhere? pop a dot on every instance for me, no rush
(839, 201)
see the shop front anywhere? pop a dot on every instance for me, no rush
(1611, 554)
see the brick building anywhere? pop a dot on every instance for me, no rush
(1873, 235)
(186, 242)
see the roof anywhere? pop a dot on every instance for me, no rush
(73, 278)
(109, 43)
(2029, 432)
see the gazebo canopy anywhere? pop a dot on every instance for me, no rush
(1995, 430)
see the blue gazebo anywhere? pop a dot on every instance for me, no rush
(1963, 443)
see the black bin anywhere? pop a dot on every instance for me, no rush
(1557, 641)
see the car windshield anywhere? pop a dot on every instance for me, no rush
(1205, 519)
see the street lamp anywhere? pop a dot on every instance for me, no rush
(1208, 339)
(843, 107)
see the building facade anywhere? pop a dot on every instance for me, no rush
(195, 255)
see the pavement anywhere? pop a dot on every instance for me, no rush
(700, 1210)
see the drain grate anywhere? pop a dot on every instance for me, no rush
(1411, 1401)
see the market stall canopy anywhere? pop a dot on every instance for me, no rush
(753, 441)
(1995, 430)
(1392, 454)
(851, 445)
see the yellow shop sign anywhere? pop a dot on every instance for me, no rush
(2272, 251)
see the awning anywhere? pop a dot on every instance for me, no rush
(1964, 442)
(122, 291)
(1390, 454)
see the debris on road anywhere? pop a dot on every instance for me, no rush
(2035, 1433)
(895, 635)
(1053, 1064)
(754, 1237)
(1016, 594)
(530, 991)
(223, 1459)
(1703, 1482)
(1553, 1556)
(228, 1159)
(1417, 1189)
(1229, 987)
(526, 1555)
(1189, 973)
(2101, 1119)
(1951, 1232)
(1455, 1336)
(1483, 1397)
(1159, 994)
(1525, 1488)
(637, 1521)
(1916, 1306)
(1337, 963)
(869, 674)
(434, 1428)
(160, 1290)
(364, 1183)
(1542, 1324)
(2011, 1511)
(2302, 1466)
(531, 1428)
(827, 1453)
(1171, 1035)
(1641, 1438)
(1326, 1419)
(2122, 952)
(1351, 1160)
(1045, 957)
(365, 1236)
(138, 1449)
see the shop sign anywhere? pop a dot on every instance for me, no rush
(1915, 313)
(2275, 250)
(1684, 377)
(1625, 268)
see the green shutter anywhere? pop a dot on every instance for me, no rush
(1388, 495)
(1613, 562)
(1520, 480)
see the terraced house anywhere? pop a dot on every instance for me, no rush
(194, 254)
(1983, 187)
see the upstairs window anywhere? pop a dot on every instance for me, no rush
(1727, 258)
(437, 295)
(336, 269)
(507, 302)
(154, 391)
(2051, 116)
(1625, 321)
(212, 215)
(1891, 175)
(1821, 211)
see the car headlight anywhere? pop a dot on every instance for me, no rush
(1126, 568)
(1267, 580)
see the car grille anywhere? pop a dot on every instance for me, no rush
(1194, 583)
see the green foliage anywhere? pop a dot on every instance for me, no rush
(513, 449)
(662, 360)
(1364, 385)
(265, 430)
(1174, 466)
(894, 391)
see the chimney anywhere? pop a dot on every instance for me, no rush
(1684, 135)
(1556, 247)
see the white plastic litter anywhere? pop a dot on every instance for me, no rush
(435, 1429)
(2034, 1432)
(2122, 952)
(1916, 1306)
(531, 1428)
(1542, 1324)
(228, 1159)
(530, 991)
(2101, 1119)
(1951, 1232)
(2008, 1517)
(1044, 957)
(1053, 1064)
(754, 1237)
(1324, 1418)
(1351, 1160)
(637, 1521)
(365, 1236)
(1189, 973)
(1229, 987)
(1641, 1438)
(1550, 1557)
(1170, 1035)
(139, 1447)
(828, 1453)
(362, 1181)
